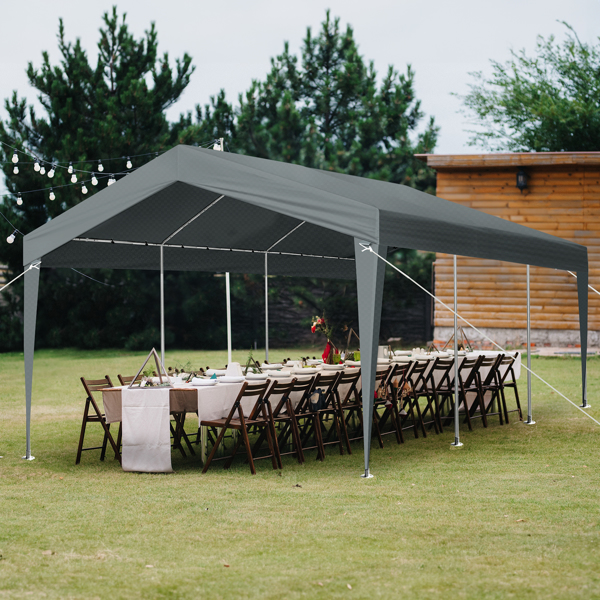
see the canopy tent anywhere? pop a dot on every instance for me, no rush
(200, 210)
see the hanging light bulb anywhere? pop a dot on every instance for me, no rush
(16, 170)
(11, 238)
(42, 170)
(100, 166)
(94, 180)
(84, 189)
(51, 172)
(73, 178)
(52, 195)
(15, 158)
(111, 179)
(129, 165)
(217, 147)
(70, 169)
(19, 199)
(36, 166)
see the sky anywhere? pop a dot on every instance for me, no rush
(231, 41)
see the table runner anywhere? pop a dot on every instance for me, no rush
(146, 432)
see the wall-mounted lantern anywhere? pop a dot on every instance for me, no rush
(521, 179)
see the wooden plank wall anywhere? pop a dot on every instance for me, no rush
(560, 200)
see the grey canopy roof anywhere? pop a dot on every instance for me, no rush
(243, 206)
(214, 211)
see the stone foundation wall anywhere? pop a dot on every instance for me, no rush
(516, 338)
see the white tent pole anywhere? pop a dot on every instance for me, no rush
(228, 294)
(266, 309)
(457, 442)
(530, 420)
(162, 307)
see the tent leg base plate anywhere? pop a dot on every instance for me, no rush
(367, 475)
(457, 444)
(586, 405)
(529, 422)
(28, 457)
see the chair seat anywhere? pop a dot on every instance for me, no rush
(233, 423)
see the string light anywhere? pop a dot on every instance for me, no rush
(84, 189)
(129, 164)
(51, 172)
(16, 170)
(100, 166)
(15, 158)
(111, 179)
(52, 195)
(70, 169)
(19, 199)
(73, 178)
(94, 180)
(217, 147)
(36, 166)
(42, 170)
(11, 238)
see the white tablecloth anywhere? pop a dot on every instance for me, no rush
(146, 432)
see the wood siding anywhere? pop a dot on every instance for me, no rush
(563, 200)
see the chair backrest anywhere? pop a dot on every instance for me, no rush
(306, 387)
(94, 385)
(280, 389)
(506, 365)
(442, 367)
(325, 383)
(467, 372)
(417, 374)
(127, 379)
(491, 363)
(257, 390)
(350, 379)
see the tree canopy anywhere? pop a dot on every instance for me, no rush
(326, 109)
(549, 102)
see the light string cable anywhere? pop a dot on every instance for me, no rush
(68, 164)
(591, 288)
(365, 248)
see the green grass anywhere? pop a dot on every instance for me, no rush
(514, 513)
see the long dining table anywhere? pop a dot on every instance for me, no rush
(145, 413)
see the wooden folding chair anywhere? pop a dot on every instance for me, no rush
(468, 384)
(418, 377)
(258, 418)
(402, 392)
(90, 386)
(507, 379)
(439, 385)
(490, 385)
(349, 406)
(388, 401)
(312, 423)
(283, 415)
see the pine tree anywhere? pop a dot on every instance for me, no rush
(326, 110)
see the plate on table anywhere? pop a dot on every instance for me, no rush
(443, 354)
(401, 359)
(271, 366)
(402, 352)
(326, 367)
(303, 371)
(279, 373)
(256, 376)
(232, 379)
(216, 372)
(460, 353)
(423, 357)
(352, 363)
(198, 381)
(314, 361)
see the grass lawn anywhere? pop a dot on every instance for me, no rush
(514, 513)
